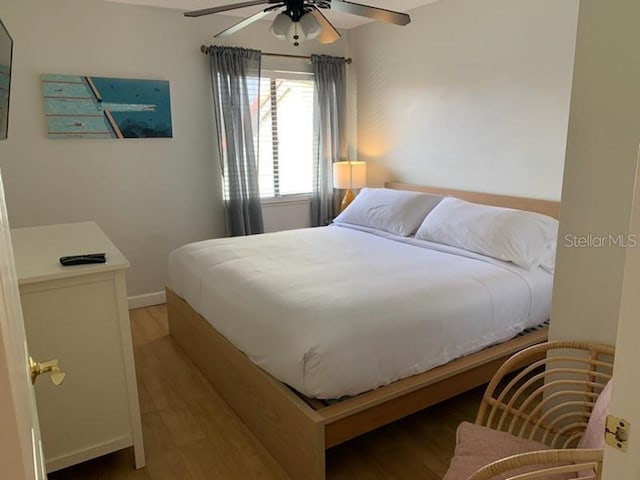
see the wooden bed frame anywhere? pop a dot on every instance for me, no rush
(297, 430)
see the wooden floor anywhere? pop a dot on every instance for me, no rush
(191, 433)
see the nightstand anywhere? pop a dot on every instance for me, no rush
(79, 315)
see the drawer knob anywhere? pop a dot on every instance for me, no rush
(38, 368)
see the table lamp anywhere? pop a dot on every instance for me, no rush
(348, 175)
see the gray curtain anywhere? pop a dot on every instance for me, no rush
(235, 79)
(331, 135)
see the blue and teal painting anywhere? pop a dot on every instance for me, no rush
(99, 107)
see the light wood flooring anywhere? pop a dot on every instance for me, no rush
(191, 433)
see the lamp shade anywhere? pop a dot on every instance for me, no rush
(309, 26)
(281, 26)
(347, 175)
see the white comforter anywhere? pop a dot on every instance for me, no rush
(336, 311)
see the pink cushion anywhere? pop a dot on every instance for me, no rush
(478, 446)
(594, 434)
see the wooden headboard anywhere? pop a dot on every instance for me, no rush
(547, 207)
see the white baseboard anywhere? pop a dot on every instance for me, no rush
(146, 300)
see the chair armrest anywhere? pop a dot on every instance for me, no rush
(571, 460)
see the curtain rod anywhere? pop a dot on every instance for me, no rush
(204, 49)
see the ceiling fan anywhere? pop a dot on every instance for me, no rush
(303, 19)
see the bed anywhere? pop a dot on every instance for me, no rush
(286, 408)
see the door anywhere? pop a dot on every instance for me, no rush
(626, 388)
(20, 446)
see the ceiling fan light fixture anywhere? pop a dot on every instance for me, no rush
(295, 31)
(281, 26)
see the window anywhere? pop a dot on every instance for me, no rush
(286, 142)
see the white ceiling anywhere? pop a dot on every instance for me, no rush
(340, 20)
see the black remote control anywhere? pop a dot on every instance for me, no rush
(83, 259)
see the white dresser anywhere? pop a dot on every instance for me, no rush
(79, 315)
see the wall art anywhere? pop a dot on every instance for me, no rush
(100, 107)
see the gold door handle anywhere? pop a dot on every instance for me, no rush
(57, 375)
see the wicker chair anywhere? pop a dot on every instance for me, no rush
(543, 410)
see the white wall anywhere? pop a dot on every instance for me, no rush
(148, 195)
(602, 148)
(473, 94)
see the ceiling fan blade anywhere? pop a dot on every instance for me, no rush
(329, 34)
(380, 14)
(226, 8)
(243, 23)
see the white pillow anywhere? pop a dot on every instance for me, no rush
(511, 235)
(394, 211)
(548, 262)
